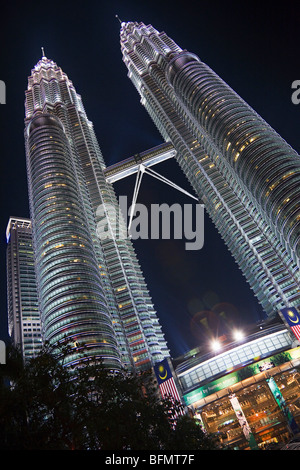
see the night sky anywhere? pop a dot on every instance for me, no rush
(253, 46)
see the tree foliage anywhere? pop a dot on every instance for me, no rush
(44, 405)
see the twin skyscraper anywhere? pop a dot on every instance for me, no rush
(91, 291)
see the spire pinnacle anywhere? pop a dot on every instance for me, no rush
(43, 52)
(118, 19)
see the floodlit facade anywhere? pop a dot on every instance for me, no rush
(244, 172)
(91, 289)
(24, 324)
(257, 376)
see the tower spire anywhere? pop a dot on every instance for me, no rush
(118, 19)
(43, 52)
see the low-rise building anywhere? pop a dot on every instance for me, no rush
(248, 392)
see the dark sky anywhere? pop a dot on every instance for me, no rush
(253, 46)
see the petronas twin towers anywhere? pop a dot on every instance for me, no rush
(91, 291)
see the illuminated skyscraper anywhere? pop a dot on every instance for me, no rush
(91, 290)
(244, 172)
(24, 323)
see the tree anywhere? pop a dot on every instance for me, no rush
(188, 435)
(44, 405)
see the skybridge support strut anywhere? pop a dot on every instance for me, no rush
(141, 170)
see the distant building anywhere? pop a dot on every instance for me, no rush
(24, 323)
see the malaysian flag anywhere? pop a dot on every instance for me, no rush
(166, 381)
(292, 317)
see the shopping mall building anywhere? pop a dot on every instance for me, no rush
(248, 392)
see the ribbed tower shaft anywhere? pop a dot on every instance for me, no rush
(67, 187)
(245, 173)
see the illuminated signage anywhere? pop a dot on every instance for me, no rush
(241, 374)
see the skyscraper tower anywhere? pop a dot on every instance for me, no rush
(24, 322)
(245, 173)
(91, 291)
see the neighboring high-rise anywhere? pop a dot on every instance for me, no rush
(245, 173)
(24, 323)
(91, 289)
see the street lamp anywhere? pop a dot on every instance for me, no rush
(215, 345)
(238, 335)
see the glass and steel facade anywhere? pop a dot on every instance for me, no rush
(24, 324)
(244, 172)
(235, 356)
(91, 289)
(265, 418)
(244, 370)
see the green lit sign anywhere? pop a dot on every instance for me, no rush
(241, 374)
(210, 388)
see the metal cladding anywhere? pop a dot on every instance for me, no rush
(71, 293)
(268, 168)
(92, 293)
(178, 62)
(245, 173)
